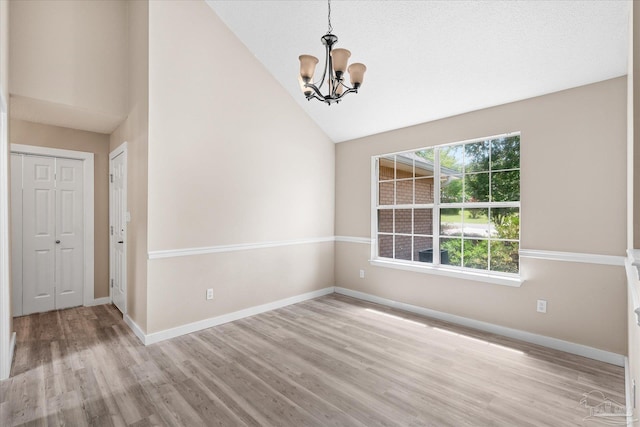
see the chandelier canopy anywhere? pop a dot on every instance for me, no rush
(335, 66)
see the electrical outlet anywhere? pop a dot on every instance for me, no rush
(362, 274)
(209, 293)
(541, 306)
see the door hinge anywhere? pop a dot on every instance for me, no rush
(112, 230)
(111, 177)
(112, 283)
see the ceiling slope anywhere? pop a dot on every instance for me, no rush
(432, 59)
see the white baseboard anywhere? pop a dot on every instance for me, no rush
(225, 318)
(99, 301)
(557, 344)
(135, 328)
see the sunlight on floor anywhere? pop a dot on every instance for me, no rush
(382, 313)
(502, 347)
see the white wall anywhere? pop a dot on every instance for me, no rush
(6, 317)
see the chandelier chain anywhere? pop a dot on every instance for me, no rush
(329, 18)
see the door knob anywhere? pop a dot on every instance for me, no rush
(121, 241)
(57, 242)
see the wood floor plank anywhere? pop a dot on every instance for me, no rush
(332, 361)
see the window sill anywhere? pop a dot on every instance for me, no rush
(449, 272)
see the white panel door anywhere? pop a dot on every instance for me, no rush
(69, 254)
(38, 228)
(117, 206)
(16, 233)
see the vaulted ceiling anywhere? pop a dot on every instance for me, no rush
(432, 59)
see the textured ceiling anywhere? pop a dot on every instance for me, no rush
(432, 59)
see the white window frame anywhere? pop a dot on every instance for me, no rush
(495, 277)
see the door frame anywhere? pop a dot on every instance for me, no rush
(7, 337)
(121, 149)
(88, 207)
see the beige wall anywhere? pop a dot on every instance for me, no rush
(28, 133)
(135, 131)
(573, 200)
(68, 62)
(232, 159)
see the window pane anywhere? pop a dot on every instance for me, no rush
(424, 162)
(385, 220)
(451, 222)
(451, 251)
(386, 167)
(423, 221)
(404, 165)
(424, 190)
(423, 249)
(476, 157)
(404, 192)
(505, 153)
(403, 247)
(403, 221)
(451, 159)
(504, 256)
(476, 223)
(476, 187)
(385, 246)
(451, 188)
(385, 196)
(476, 254)
(506, 223)
(505, 186)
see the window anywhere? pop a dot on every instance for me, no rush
(455, 206)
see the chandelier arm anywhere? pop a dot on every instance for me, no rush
(314, 88)
(322, 98)
(327, 64)
(350, 90)
(345, 86)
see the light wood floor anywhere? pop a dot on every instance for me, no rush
(326, 362)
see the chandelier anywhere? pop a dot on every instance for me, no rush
(335, 66)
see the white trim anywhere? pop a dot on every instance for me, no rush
(632, 267)
(135, 328)
(5, 301)
(557, 344)
(573, 257)
(88, 209)
(121, 149)
(628, 404)
(170, 253)
(441, 270)
(225, 318)
(351, 239)
(12, 349)
(374, 203)
(99, 301)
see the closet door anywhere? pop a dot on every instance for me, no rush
(69, 250)
(38, 227)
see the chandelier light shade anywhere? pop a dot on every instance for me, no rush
(333, 75)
